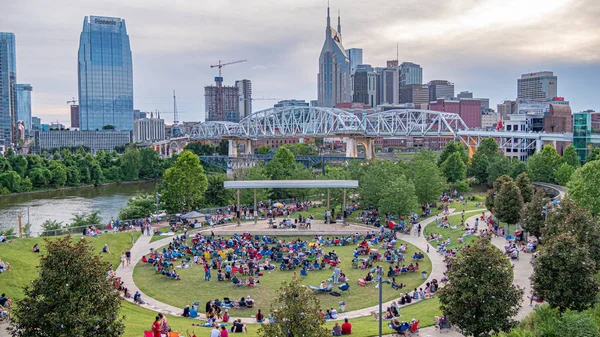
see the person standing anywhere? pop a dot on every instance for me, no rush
(419, 230)
(128, 256)
(123, 260)
(156, 327)
(164, 326)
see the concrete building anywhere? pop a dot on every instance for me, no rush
(245, 97)
(314, 102)
(440, 89)
(334, 68)
(148, 130)
(24, 105)
(468, 109)
(8, 91)
(36, 123)
(105, 70)
(489, 120)
(291, 102)
(75, 116)
(464, 94)
(137, 114)
(537, 86)
(410, 73)
(391, 85)
(230, 103)
(364, 85)
(356, 58)
(94, 140)
(506, 108)
(414, 93)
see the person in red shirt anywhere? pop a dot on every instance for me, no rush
(156, 327)
(346, 327)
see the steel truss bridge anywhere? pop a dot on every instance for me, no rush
(232, 163)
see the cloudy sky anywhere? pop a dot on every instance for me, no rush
(481, 45)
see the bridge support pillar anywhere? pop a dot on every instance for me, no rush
(368, 144)
(538, 145)
(248, 146)
(351, 150)
(233, 148)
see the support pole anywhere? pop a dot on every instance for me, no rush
(328, 208)
(380, 273)
(344, 210)
(255, 207)
(239, 209)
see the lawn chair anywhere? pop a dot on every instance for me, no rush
(174, 334)
(414, 327)
(148, 334)
(319, 290)
(401, 331)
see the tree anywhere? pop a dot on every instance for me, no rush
(140, 206)
(336, 194)
(563, 274)
(374, 179)
(563, 174)
(533, 217)
(299, 173)
(454, 168)
(257, 172)
(398, 197)
(593, 154)
(184, 184)
(508, 203)
(11, 180)
(150, 164)
(108, 127)
(297, 313)
(462, 186)
(479, 167)
(84, 301)
(52, 228)
(517, 167)
(489, 147)
(584, 186)
(525, 186)
(490, 197)
(481, 299)
(570, 156)
(200, 149)
(216, 194)
(85, 219)
(302, 149)
(541, 166)
(453, 147)
(282, 164)
(19, 164)
(499, 166)
(59, 176)
(130, 164)
(427, 178)
(38, 177)
(264, 149)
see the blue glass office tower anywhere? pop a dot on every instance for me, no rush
(8, 84)
(105, 75)
(24, 105)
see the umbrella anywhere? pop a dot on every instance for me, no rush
(192, 215)
(278, 204)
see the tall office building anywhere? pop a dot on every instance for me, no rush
(391, 85)
(245, 96)
(148, 130)
(410, 73)
(364, 81)
(356, 58)
(334, 68)
(36, 123)
(75, 116)
(440, 89)
(24, 105)
(8, 90)
(537, 86)
(105, 75)
(231, 102)
(465, 94)
(414, 93)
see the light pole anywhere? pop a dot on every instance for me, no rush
(380, 273)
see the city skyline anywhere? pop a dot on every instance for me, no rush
(482, 48)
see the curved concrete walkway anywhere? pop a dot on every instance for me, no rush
(522, 272)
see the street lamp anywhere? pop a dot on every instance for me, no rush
(380, 273)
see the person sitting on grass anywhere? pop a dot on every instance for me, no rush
(346, 327)
(235, 280)
(238, 326)
(259, 316)
(35, 248)
(105, 249)
(249, 302)
(137, 298)
(186, 311)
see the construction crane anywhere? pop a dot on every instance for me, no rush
(72, 101)
(219, 84)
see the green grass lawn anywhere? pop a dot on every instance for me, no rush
(193, 288)
(453, 234)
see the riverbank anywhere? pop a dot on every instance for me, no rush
(78, 187)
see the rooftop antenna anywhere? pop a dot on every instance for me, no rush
(397, 53)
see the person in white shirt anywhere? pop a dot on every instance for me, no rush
(215, 331)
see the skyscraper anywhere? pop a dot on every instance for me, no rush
(440, 89)
(24, 105)
(364, 81)
(75, 116)
(356, 59)
(245, 96)
(230, 103)
(8, 86)
(410, 73)
(391, 85)
(105, 75)
(334, 68)
(538, 86)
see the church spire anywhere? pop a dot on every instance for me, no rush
(339, 24)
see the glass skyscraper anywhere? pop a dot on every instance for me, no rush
(105, 75)
(24, 105)
(8, 86)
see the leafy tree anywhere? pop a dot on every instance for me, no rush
(462, 186)
(541, 166)
(550, 322)
(59, 176)
(25, 185)
(282, 164)
(140, 206)
(216, 194)
(454, 168)
(297, 313)
(570, 156)
(11, 180)
(112, 174)
(302, 149)
(73, 176)
(525, 186)
(533, 218)
(563, 274)
(398, 196)
(489, 147)
(499, 166)
(508, 203)
(184, 184)
(264, 149)
(84, 301)
(584, 186)
(52, 227)
(38, 177)
(19, 164)
(336, 194)
(453, 147)
(481, 299)
(257, 172)
(563, 174)
(85, 219)
(130, 164)
(427, 178)
(517, 167)
(479, 167)
(375, 178)
(223, 148)
(300, 173)
(5, 164)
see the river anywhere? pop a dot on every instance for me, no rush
(61, 205)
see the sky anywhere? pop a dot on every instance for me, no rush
(482, 46)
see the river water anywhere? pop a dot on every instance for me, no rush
(61, 205)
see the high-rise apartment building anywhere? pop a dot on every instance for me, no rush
(24, 105)
(356, 58)
(8, 90)
(440, 89)
(410, 73)
(245, 96)
(75, 116)
(148, 130)
(334, 68)
(364, 81)
(506, 108)
(537, 86)
(391, 85)
(414, 93)
(231, 100)
(105, 75)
